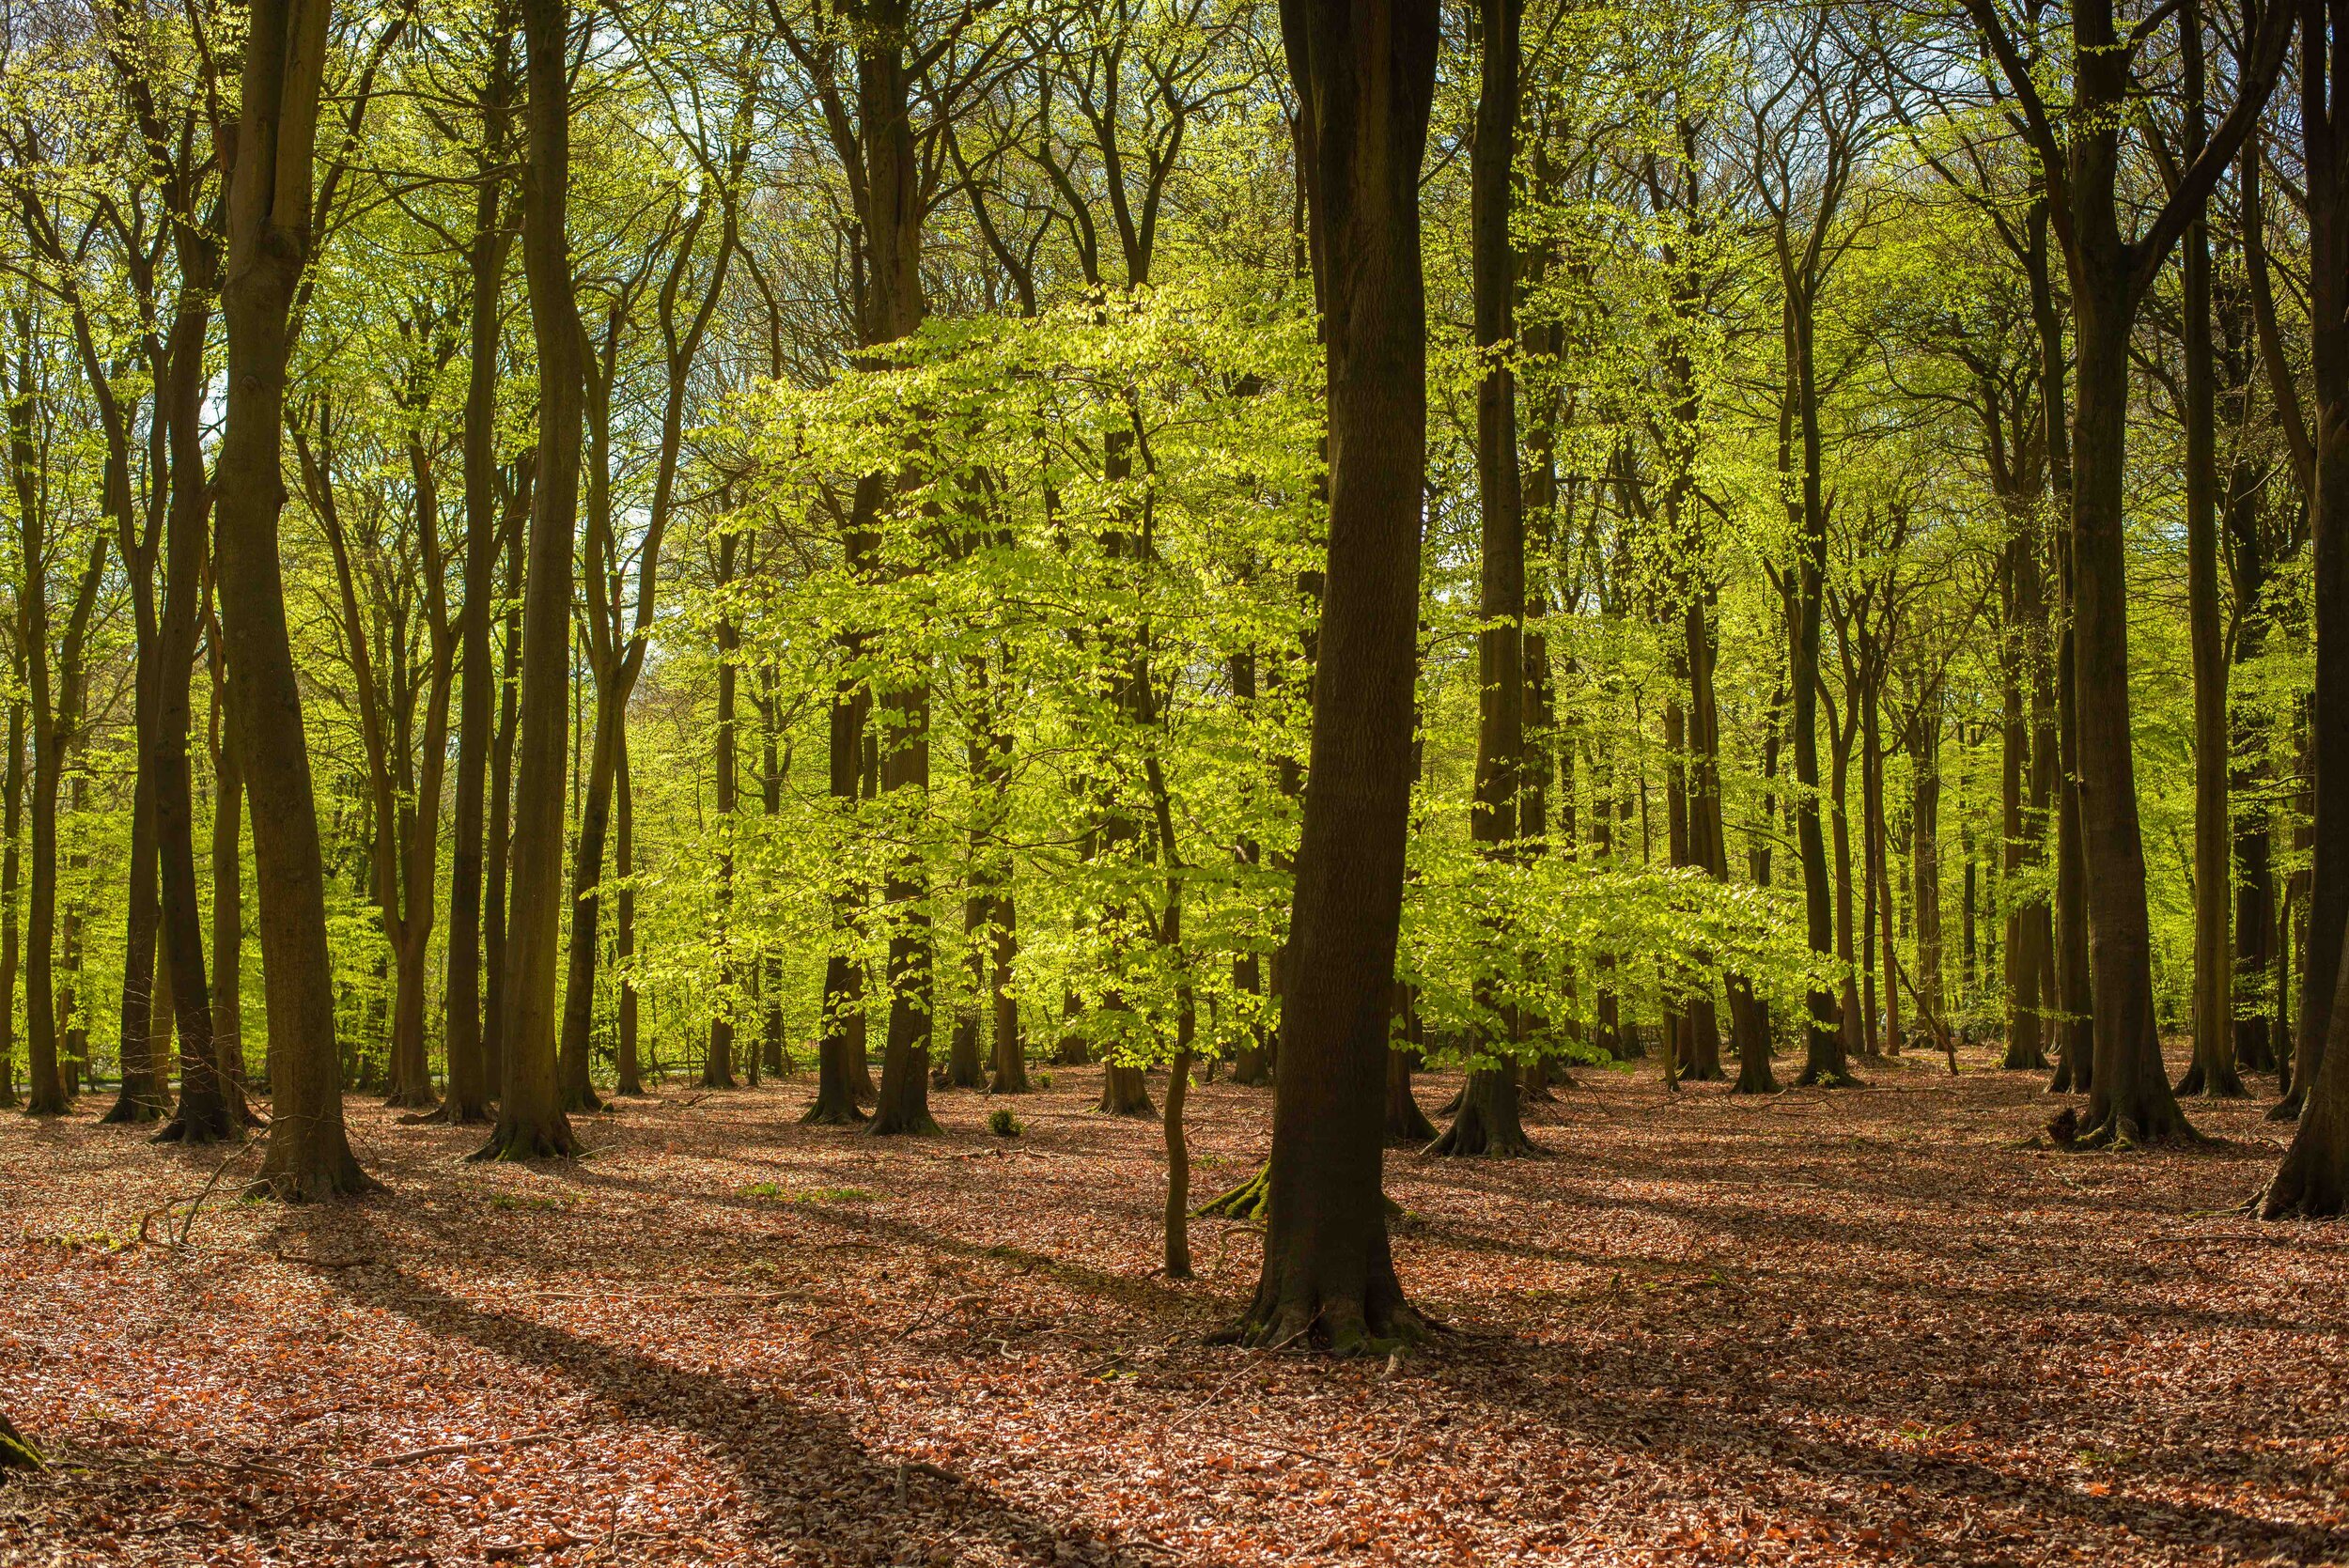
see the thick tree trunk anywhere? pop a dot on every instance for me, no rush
(840, 1053)
(309, 1153)
(531, 1122)
(2324, 130)
(1365, 71)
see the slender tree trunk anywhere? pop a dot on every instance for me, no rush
(2130, 1100)
(718, 1060)
(624, 943)
(595, 826)
(211, 1102)
(497, 854)
(469, 1078)
(531, 1122)
(1366, 71)
(2025, 1047)
(1826, 1059)
(1487, 1122)
(227, 887)
(2213, 1072)
(12, 802)
(269, 226)
(2325, 131)
(145, 1094)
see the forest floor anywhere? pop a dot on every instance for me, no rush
(1866, 1326)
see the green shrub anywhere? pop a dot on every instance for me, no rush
(1002, 1124)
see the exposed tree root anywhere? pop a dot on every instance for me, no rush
(131, 1110)
(180, 1129)
(1833, 1078)
(1335, 1325)
(833, 1110)
(526, 1144)
(16, 1451)
(1125, 1093)
(1486, 1125)
(2300, 1189)
(1245, 1202)
(2226, 1084)
(2023, 1056)
(2120, 1133)
(421, 1099)
(1407, 1126)
(1753, 1075)
(2288, 1109)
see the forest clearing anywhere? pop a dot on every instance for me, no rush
(1887, 1325)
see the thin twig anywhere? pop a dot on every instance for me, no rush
(440, 1451)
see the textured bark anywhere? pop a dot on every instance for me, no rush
(269, 236)
(1365, 72)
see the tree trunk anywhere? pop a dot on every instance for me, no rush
(1407, 1126)
(2325, 131)
(211, 1103)
(2213, 1072)
(12, 803)
(1366, 71)
(595, 826)
(1924, 820)
(718, 1060)
(469, 1078)
(1826, 1059)
(269, 210)
(2026, 1049)
(2130, 1100)
(531, 1122)
(840, 1054)
(1487, 1121)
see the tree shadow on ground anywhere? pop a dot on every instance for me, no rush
(819, 1494)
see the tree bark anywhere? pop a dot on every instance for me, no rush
(2213, 1072)
(211, 1102)
(1366, 71)
(268, 241)
(469, 1080)
(531, 1122)
(12, 803)
(1487, 1121)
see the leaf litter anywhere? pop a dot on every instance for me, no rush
(1886, 1327)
